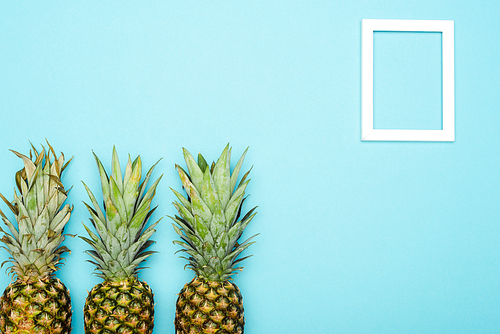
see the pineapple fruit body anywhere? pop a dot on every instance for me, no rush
(125, 307)
(209, 307)
(39, 307)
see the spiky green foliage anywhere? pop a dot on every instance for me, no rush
(35, 244)
(209, 221)
(122, 238)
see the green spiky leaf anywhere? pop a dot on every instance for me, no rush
(208, 224)
(122, 232)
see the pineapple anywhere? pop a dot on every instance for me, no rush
(122, 303)
(209, 226)
(37, 302)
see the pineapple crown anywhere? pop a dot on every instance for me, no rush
(122, 237)
(208, 222)
(34, 245)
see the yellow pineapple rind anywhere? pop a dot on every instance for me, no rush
(125, 307)
(36, 307)
(209, 307)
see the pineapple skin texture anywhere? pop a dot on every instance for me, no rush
(125, 307)
(209, 307)
(41, 307)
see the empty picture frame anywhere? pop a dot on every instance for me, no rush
(447, 133)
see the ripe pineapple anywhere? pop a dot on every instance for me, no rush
(37, 302)
(122, 303)
(209, 226)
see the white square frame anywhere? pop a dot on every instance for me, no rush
(446, 27)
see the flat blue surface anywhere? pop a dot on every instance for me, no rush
(407, 85)
(355, 237)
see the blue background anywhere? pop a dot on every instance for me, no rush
(355, 237)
